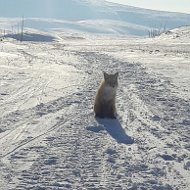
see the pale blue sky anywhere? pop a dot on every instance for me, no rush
(166, 5)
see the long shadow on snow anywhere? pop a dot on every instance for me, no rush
(114, 128)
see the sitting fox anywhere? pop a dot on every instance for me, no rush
(104, 105)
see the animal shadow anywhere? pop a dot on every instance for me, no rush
(114, 128)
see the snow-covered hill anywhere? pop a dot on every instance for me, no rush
(49, 137)
(90, 16)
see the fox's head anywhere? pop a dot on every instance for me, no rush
(111, 80)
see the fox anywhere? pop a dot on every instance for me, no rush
(104, 105)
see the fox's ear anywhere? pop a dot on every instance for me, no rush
(116, 74)
(105, 75)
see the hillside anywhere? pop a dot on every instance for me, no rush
(89, 16)
(49, 137)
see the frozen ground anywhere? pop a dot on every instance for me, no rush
(49, 137)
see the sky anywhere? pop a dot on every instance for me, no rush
(165, 5)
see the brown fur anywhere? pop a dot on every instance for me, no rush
(104, 105)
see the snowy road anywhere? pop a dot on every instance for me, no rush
(49, 137)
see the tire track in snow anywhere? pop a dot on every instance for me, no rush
(81, 154)
(24, 93)
(94, 158)
(25, 119)
(52, 112)
(148, 111)
(78, 157)
(32, 139)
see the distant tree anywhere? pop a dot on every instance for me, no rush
(22, 29)
(156, 31)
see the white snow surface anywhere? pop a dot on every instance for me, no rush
(49, 137)
(87, 16)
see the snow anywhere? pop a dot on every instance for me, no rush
(87, 16)
(49, 137)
